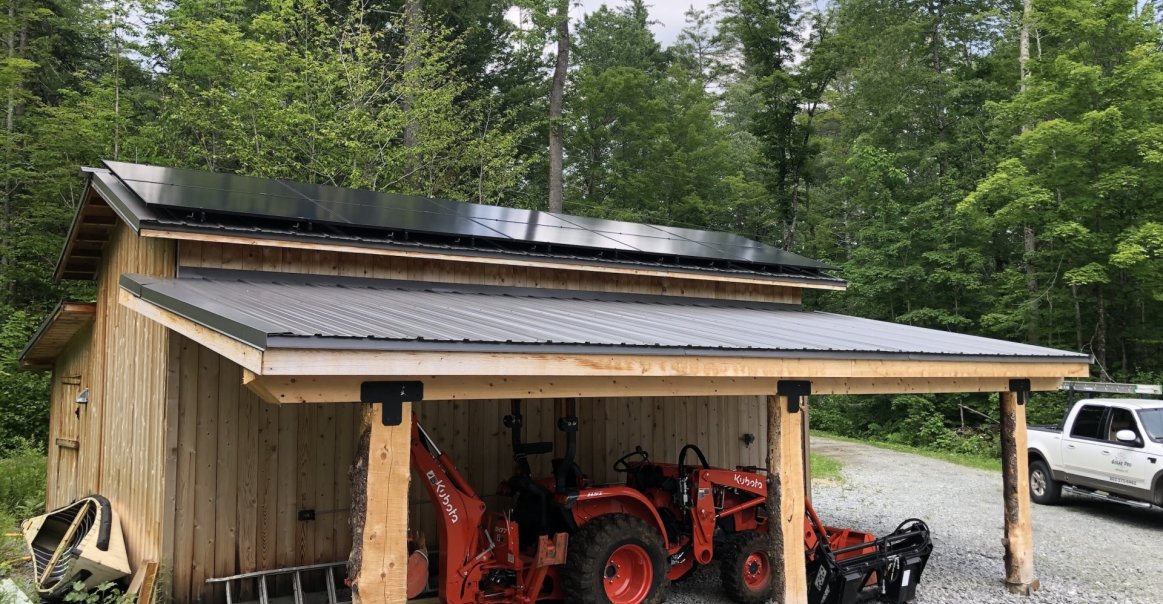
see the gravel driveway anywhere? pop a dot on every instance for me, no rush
(1085, 550)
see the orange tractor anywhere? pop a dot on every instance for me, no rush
(566, 539)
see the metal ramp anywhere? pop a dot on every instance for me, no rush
(260, 583)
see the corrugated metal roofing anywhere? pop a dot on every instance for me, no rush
(288, 311)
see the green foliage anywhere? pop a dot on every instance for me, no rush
(22, 475)
(105, 593)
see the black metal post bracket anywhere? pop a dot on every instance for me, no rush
(392, 395)
(794, 390)
(1022, 389)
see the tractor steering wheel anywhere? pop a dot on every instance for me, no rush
(622, 466)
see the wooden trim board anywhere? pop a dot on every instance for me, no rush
(395, 363)
(467, 259)
(331, 389)
(242, 354)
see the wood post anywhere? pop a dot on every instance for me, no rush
(785, 500)
(1019, 538)
(380, 559)
(807, 428)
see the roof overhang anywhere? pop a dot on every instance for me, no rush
(284, 363)
(54, 334)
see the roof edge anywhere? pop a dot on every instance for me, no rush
(236, 328)
(84, 311)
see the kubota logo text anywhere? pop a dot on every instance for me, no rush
(443, 498)
(749, 482)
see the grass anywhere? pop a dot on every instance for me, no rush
(21, 495)
(971, 461)
(826, 468)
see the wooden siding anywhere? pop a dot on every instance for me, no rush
(245, 469)
(66, 423)
(122, 359)
(221, 255)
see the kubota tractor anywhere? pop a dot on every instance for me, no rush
(566, 539)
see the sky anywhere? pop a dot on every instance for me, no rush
(668, 13)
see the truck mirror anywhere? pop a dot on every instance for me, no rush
(1127, 436)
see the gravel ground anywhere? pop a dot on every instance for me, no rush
(1085, 550)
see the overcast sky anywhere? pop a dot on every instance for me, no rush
(668, 14)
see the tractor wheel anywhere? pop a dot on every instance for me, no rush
(746, 568)
(615, 558)
(1043, 488)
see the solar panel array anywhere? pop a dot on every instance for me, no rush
(230, 194)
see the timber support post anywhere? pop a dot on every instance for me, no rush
(379, 561)
(1019, 539)
(785, 491)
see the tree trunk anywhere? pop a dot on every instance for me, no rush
(556, 94)
(1029, 238)
(412, 23)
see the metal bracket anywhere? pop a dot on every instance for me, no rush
(392, 395)
(1022, 389)
(794, 390)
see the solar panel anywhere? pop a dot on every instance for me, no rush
(195, 190)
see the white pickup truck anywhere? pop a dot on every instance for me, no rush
(1108, 448)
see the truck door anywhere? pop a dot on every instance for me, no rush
(1082, 447)
(1126, 464)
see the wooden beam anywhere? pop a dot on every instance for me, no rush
(498, 260)
(242, 354)
(337, 388)
(381, 577)
(1019, 537)
(290, 361)
(785, 500)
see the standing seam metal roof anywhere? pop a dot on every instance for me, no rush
(272, 310)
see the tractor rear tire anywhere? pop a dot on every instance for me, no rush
(616, 558)
(1044, 489)
(746, 568)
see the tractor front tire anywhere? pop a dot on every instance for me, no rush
(1043, 488)
(746, 568)
(616, 558)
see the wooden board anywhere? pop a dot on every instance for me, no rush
(368, 262)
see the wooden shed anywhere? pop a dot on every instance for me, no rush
(212, 392)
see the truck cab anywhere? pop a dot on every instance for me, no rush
(1108, 448)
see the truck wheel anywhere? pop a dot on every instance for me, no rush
(746, 569)
(1043, 488)
(615, 558)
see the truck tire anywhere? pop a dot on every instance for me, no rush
(745, 568)
(1043, 488)
(616, 558)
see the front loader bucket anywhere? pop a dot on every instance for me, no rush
(884, 570)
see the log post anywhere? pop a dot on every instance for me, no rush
(785, 500)
(1019, 538)
(379, 563)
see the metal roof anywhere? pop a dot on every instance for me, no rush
(277, 310)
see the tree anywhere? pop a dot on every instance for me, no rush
(1077, 166)
(770, 33)
(298, 91)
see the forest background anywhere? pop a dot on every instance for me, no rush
(992, 167)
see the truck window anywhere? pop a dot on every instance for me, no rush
(1088, 422)
(1152, 422)
(1121, 419)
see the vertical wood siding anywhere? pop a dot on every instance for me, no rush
(122, 358)
(217, 255)
(245, 469)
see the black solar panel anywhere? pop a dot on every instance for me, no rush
(199, 191)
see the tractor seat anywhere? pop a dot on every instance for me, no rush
(574, 477)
